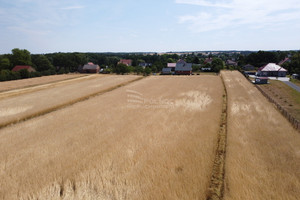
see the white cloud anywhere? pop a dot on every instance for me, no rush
(236, 13)
(72, 7)
(203, 3)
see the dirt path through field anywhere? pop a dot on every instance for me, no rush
(152, 139)
(263, 149)
(35, 103)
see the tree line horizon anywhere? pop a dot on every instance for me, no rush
(60, 63)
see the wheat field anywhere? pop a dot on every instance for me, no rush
(151, 139)
(30, 82)
(263, 150)
(33, 103)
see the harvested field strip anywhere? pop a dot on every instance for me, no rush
(34, 88)
(263, 149)
(216, 188)
(109, 147)
(63, 105)
(31, 82)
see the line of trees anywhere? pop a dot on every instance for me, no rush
(58, 63)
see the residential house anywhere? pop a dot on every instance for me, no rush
(208, 60)
(90, 68)
(272, 69)
(231, 63)
(27, 67)
(127, 62)
(171, 66)
(144, 65)
(183, 68)
(248, 67)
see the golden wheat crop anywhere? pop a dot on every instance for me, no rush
(152, 139)
(34, 103)
(263, 150)
(23, 83)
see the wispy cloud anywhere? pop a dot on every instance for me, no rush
(72, 7)
(237, 13)
(204, 3)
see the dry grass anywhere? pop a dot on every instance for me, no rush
(263, 151)
(287, 97)
(23, 83)
(135, 142)
(32, 104)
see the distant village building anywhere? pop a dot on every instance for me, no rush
(171, 66)
(27, 67)
(127, 62)
(272, 69)
(166, 71)
(90, 68)
(144, 65)
(183, 68)
(286, 60)
(248, 67)
(208, 60)
(180, 68)
(231, 63)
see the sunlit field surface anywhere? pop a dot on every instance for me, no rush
(263, 150)
(152, 139)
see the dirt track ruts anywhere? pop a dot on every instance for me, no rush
(216, 188)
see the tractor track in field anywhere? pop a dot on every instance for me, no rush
(34, 88)
(67, 104)
(217, 181)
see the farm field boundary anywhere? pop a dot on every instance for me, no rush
(216, 188)
(38, 87)
(294, 122)
(64, 105)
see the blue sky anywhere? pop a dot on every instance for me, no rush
(45, 26)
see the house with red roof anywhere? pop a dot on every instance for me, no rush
(127, 62)
(208, 60)
(90, 68)
(231, 63)
(27, 67)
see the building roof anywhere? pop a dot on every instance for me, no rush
(186, 67)
(231, 62)
(90, 66)
(208, 60)
(284, 61)
(248, 65)
(125, 61)
(171, 65)
(271, 67)
(19, 67)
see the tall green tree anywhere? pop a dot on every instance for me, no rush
(41, 63)
(5, 64)
(20, 57)
(217, 64)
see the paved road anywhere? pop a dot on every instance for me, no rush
(292, 85)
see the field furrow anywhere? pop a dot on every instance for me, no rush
(152, 139)
(263, 149)
(26, 106)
